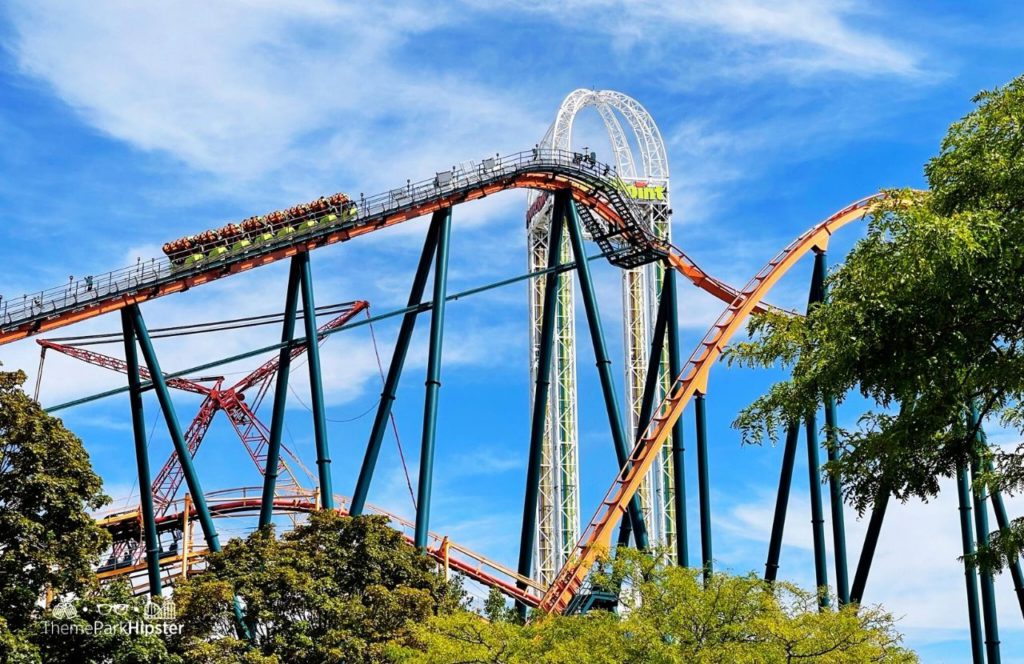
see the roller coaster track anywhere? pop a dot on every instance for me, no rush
(611, 218)
(596, 539)
(245, 502)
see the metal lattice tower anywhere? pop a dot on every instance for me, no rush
(644, 179)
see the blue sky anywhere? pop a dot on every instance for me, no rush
(124, 125)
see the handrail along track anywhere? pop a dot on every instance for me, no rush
(246, 501)
(594, 185)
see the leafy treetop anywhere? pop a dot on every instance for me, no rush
(925, 318)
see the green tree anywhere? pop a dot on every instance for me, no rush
(924, 319)
(497, 609)
(336, 589)
(16, 648)
(48, 541)
(670, 616)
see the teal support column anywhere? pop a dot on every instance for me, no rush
(988, 594)
(771, 568)
(835, 490)
(387, 397)
(675, 364)
(703, 484)
(817, 512)
(316, 384)
(835, 493)
(1003, 521)
(971, 577)
(867, 554)
(650, 388)
(653, 367)
(163, 395)
(604, 370)
(817, 295)
(284, 363)
(539, 413)
(142, 457)
(433, 382)
(989, 615)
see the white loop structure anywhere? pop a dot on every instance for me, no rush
(652, 149)
(645, 179)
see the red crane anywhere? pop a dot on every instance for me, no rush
(251, 431)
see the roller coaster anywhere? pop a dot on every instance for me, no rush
(580, 198)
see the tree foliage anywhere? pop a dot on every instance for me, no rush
(672, 618)
(336, 589)
(48, 540)
(924, 318)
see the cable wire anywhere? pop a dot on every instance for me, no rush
(391, 413)
(199, 328)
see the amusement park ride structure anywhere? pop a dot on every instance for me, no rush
(578, 197)
(645, 178)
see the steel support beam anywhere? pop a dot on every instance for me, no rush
(316, 385)
(817, 512)
(142, 457)
(703, 483)
(1003, 521)
(284, 361)
(867, 554)
(989, 615)
(675, 363)
(603, 363)
(970, 575)
(433, 382)
(771, 568)
(814, 297)
(650, 388)
(835, 491)
(539, 413)
(387, 397)
(163, 395)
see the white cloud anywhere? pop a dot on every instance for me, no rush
(747, 38)
(248, 90)
(292, 96)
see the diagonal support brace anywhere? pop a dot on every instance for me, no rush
(387, 397)
(611, 402)
(142, 457)
(433, 382)
(270, 469)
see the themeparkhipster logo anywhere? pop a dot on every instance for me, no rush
(154, 618)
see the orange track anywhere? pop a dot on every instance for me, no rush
(583, 192)
(467, 562)
(596, 539)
